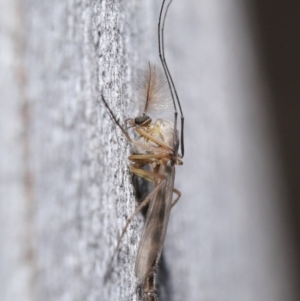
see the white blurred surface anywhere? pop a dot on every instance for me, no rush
(227, 226)
(226, 239)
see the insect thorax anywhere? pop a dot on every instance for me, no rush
(161, 130)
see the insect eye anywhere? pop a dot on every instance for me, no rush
(142, 120)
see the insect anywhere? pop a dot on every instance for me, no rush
(156, 148)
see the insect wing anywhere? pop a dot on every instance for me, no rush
(155, 228)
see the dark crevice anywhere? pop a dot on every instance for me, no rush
(164, 281)
(278, 31)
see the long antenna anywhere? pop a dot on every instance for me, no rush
(148, 89)
(161, 50)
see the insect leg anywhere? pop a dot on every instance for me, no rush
(142, 145)
(148, 136)
(178, 196)
(115, 119)
(148, 176)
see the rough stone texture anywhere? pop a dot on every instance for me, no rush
(83, 189)
(65, 187)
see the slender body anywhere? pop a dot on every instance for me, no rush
(156, 148)
(162, 162)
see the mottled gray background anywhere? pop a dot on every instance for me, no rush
(65, 190)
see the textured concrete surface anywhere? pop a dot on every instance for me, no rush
(65, 186)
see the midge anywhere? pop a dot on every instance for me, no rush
(156, 148)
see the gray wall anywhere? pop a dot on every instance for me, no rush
(65, 190)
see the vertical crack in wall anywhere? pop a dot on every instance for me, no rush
(26, 118)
